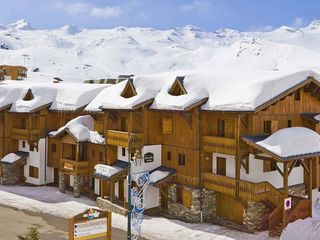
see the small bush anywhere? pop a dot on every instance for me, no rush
(32, 234)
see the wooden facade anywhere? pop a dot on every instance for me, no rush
(12, 72)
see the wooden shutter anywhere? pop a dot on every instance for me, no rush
(274, 126)
(167, 125)
(187, 198)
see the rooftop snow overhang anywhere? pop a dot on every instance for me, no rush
(20, 158)
(137, 106)
(253, 142)
(123, 168)
(167, 179)
(294, 88)
(188, 108)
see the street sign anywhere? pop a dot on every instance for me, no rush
(91, 224)
(287, 203)
(148, 157)
(90, 229)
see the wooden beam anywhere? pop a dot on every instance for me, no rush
(278, 169)
(310, 184)
(237, 156)
(305, 167)
(292, 166)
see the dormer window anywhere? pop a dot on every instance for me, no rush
(177, 87)
(129, 89)
(29, 96)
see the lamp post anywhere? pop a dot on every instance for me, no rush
(129, 198)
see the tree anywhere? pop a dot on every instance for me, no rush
(32, 234)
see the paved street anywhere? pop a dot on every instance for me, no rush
(14, 222)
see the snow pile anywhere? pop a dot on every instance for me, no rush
(49, 200)
(158, 175)
(308, 229)
(81, 128)
(106, 170)
(292, 142)
(10, 158)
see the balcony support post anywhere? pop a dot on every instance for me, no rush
(237, 156)
(285, 193)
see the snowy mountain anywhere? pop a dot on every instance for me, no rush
(75, 54)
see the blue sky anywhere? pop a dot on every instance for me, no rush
(163, 14)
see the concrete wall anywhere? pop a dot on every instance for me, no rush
(256, 173)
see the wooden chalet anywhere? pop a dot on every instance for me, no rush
(8, 72)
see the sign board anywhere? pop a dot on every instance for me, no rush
(68, 166)
(148, 157)
(90, 229)
(91, 224)
(287, 203)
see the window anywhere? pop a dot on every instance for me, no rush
(297, 95)
(123, 152)
(221, 128)
(182, 159)
(289, 123)
(269, 166)
(93, 153)
(167, 125)
(53, 147)
(267, 127)
(101, 156)
(33, 172)
(23, 144)
(169, 156)
(123, 124)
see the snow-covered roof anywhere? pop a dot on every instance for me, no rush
(108, 171)
(291, 142)
(82, 129)
(60, 96)
(146, 87)
(12, 158)
(159, 174)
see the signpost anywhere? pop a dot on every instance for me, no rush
(91, 224)
(287, 203)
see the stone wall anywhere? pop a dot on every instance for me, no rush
(253, 215)
(77, 186)
(178, 210)
(297, 190)
(10, 174)
(62, 186)
(209, 205)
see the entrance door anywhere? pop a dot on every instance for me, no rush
(228, 208)
(121, 190)
(221, 166)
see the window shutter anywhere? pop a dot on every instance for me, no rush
(167, 125)
(274, 126)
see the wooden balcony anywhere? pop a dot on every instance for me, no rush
(124, 139)
(25, 134)
(247, 190)
(74, 167)
(216, 144)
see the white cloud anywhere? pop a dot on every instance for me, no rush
(94, 11)
(198, 6)
(298, 22)
(106, 12)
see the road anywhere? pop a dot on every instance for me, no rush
(15, 222)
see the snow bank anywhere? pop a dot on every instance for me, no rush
(158, 175)
(308, 229)
(292, 141)
(10, 158)
(82, 129)
(106, 170)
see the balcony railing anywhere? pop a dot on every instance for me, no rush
(224, 145)
(124, 139)
(247, 190)
(25, 134)
(75, 167)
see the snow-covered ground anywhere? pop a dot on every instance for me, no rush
(48, 200)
